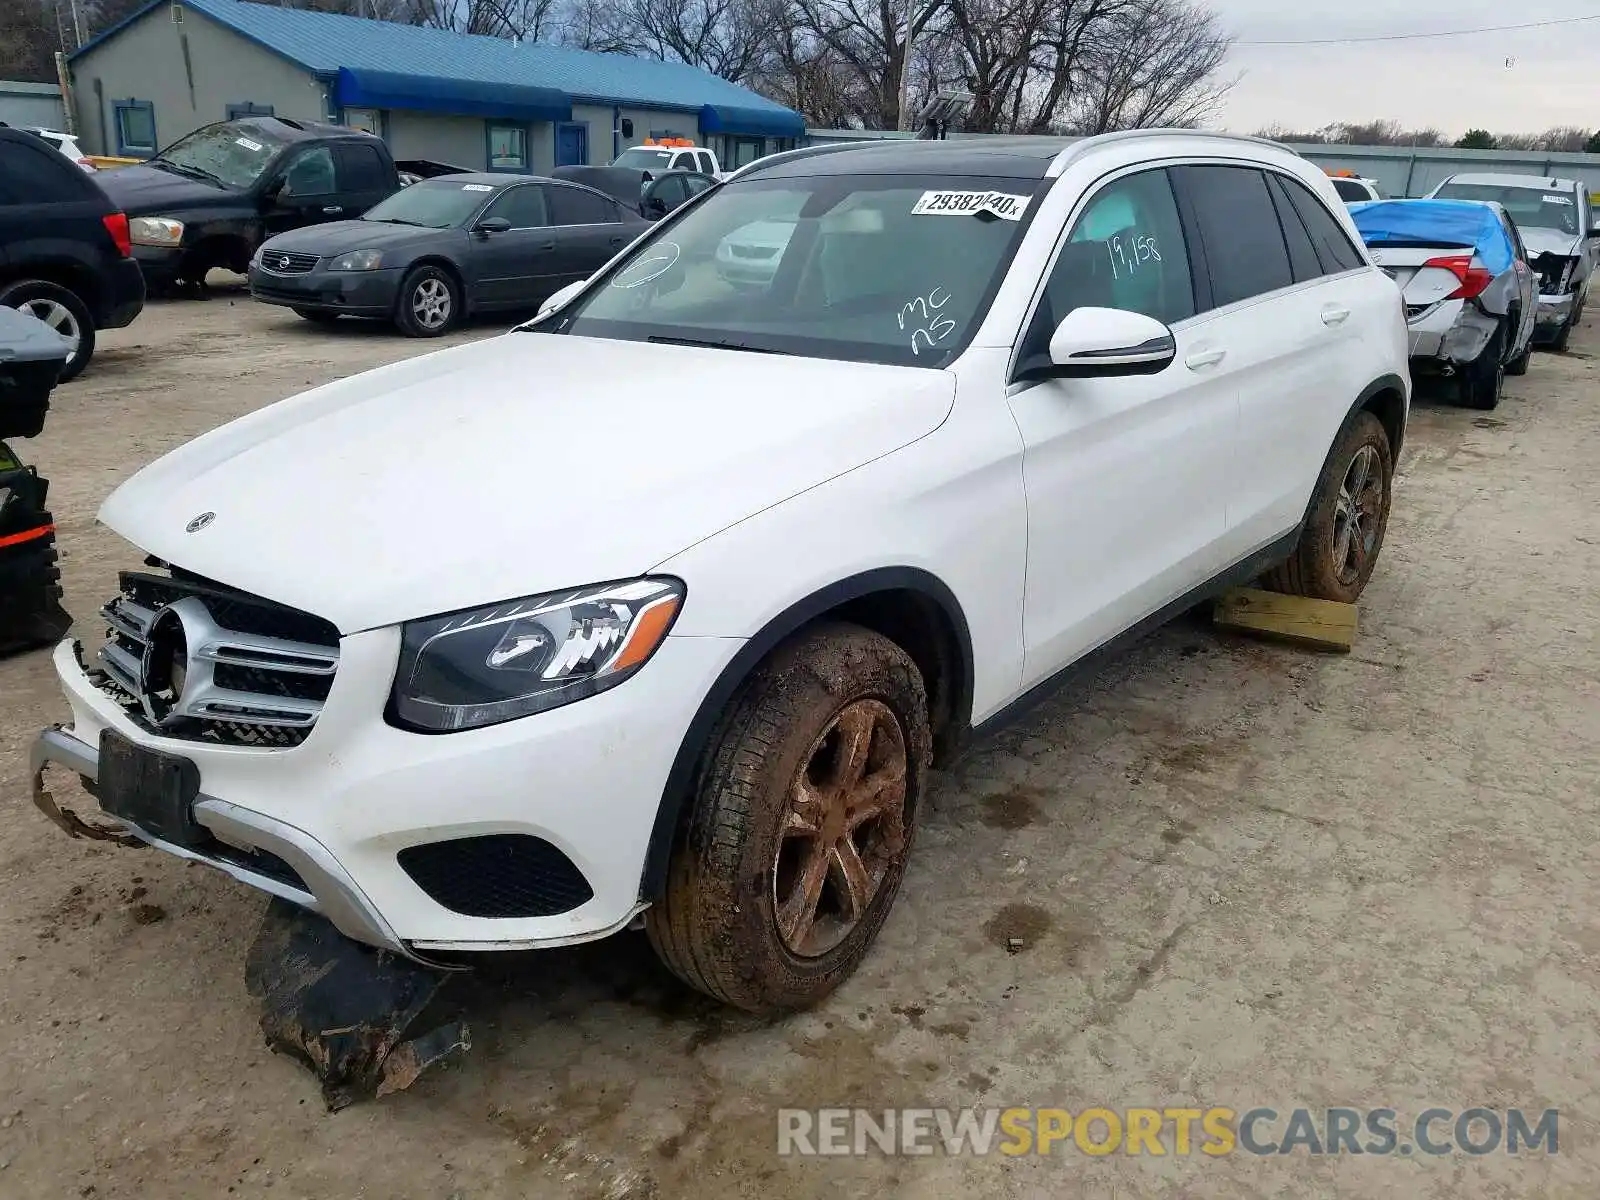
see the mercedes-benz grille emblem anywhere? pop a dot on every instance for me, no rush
(164, 667)
(200, 522)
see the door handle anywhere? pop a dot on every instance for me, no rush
(333, 210)
(617, 241)
(1334, 314)
(1204, 358)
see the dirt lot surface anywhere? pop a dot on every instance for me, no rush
(1215, 872)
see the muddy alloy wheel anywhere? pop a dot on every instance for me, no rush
(795, 840)
(1358, 515)
(1344, 527)
(845, 830)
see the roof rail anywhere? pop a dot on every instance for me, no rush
(1083, 146)
(788, 156)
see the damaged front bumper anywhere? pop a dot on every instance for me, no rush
(258, 850)
(1553, 314)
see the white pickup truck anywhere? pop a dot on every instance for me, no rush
(670, 158)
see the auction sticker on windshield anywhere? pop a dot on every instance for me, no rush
(476, 187)
(963, 204)
(247, 144)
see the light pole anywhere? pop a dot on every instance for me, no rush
(905, 66)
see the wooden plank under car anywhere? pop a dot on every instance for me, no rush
(1319, 624)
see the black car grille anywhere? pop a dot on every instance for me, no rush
(189, 658)
(501, 875)
(287, 262)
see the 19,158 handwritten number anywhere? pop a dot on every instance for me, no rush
(1130, 251)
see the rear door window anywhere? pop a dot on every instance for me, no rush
(362, 169)
(1245, 251)
(578, 206)
(1334, 248)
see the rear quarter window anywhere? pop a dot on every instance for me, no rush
(1334, 248)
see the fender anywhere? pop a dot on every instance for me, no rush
(1384, 383)
(681, 778)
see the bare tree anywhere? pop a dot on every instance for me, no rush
(867, 39)
(528, 20)
(1151, 63)
(730, 38)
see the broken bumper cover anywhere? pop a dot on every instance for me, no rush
(1449, 334)
(1553, 314)
(328, 889)
(339, 809)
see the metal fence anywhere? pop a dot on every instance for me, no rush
(1400, 171)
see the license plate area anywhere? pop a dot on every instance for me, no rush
(150, 789)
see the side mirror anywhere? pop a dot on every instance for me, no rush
(1101, 342)
(653, 207)
(560, 299)
(273, 190)
(492, 225)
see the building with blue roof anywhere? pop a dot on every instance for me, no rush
(482, 103)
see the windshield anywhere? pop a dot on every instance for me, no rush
(876, 268)
(1530, 208)
(436, 203)
(232, 154)
(643, 158)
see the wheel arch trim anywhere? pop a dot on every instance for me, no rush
(702, 726)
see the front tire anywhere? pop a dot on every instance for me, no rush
(62, 311)
(1343, 533)
(429, 304)
(796, 839)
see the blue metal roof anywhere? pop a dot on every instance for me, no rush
(323, 43)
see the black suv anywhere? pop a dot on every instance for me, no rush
(64, 252)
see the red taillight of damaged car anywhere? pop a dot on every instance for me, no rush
(1474, 279)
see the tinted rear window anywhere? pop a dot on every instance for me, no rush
(36, 173)
(1245, 254)
(575, 206)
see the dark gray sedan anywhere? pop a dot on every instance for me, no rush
(445, 248)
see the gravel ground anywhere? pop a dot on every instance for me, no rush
(1215, 872)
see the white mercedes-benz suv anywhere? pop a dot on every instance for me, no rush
(659, 609)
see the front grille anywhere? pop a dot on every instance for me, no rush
(189, 658)
(286, 262)
(501, 875)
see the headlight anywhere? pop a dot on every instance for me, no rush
(357, 260)
(487, 665)
(155, 231)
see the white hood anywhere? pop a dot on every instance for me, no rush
(512, 466)
(1549, 241)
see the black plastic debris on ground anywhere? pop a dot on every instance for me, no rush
(343, 1009)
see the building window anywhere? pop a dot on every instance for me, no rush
(508, 148)
(745, 151)
(247, 109)
(136, 127)
(367, 120)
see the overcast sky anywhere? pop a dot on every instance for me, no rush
(1451, 83)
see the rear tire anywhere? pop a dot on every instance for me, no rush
(1349, 513)
(429, 304)
(1481, 380)
(796, 838)
(60, 309)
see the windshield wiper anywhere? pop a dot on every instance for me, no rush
(399, 221)
(192, 172)
(712, 343)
